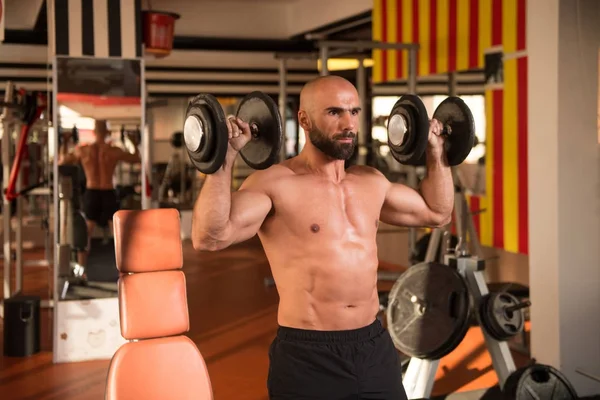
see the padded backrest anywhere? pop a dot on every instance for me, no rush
(158, 362)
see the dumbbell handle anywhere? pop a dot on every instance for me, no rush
(516, 307)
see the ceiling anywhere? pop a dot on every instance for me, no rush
(209, 33)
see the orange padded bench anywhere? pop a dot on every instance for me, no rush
(158, 361)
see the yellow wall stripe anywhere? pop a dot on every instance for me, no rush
(424, 39)
(485, 221)
(462, 34)
(392, 37)
(377, 36)
(510, 163)
(509, 26)
(488, 216)
(442, 36)
(407, 37)
(485, 29)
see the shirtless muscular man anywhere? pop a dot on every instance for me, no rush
(318, 222)
(99, 160)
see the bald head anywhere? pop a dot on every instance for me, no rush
(325, 90)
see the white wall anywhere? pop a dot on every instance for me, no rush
(564, 186)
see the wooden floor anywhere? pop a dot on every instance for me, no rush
(233, 321)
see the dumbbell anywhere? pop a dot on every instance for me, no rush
(206, 136)
(408, 130)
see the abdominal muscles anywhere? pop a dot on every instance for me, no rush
(325, 268)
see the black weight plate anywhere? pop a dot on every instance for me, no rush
(538, 381)
(428, 311)
(457, 119)
(261, 113)
(408, 129)
(205, 133)
(498, 322)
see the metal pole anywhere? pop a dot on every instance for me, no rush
(452, 84)
(361, 83)
(324, 56)
(145, 142)
(283, 104)
(412, 71)
(19, 228)
(6, 206)
(412, 171)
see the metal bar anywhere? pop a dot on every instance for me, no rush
(6, 206)
(452, 84)
(56, 204)
(283, 103)
(324, 57)
(366, 45)
(145, 142)
(361, 83)
(19, 227)
(412, 71)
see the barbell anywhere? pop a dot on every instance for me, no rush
(206, 136)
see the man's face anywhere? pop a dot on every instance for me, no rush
(335, 123)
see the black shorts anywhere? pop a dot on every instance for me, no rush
(100, 205)
(334, 365)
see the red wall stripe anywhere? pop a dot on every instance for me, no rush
(452, 35)
(475, 211)
(474, 34)
(433, 37)
(522, 154)
(384, 39)
(498, 211)
(400, 38)
(521, 31)
(496, 22)
(415, 30)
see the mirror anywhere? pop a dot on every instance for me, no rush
(98, 119)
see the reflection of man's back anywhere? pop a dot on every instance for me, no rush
(99, 163)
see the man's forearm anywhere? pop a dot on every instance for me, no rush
(438, 187)
(213, 206)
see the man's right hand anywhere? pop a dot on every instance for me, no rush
(239, 133)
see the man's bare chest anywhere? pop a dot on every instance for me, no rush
(327, 209)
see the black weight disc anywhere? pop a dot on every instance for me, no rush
(458, 122)
(261, 113)
(538, 381)
(499, 322)
(428, 311)
(408, 129)
(205, 133)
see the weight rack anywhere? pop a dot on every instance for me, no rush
(420, 375)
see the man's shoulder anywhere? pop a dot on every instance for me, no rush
(365, 170)
(268, 176)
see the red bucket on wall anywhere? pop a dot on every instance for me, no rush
(159, 30)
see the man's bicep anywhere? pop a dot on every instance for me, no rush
(404, 206)
(249, 208)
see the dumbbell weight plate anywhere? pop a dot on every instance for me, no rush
(205, 133)
(458, 122)
(499, 323)
(261, 113)
(408, 129)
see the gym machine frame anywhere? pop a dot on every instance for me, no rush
(335, 48)
(8, 122)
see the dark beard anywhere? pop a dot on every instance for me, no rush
(331, 147)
